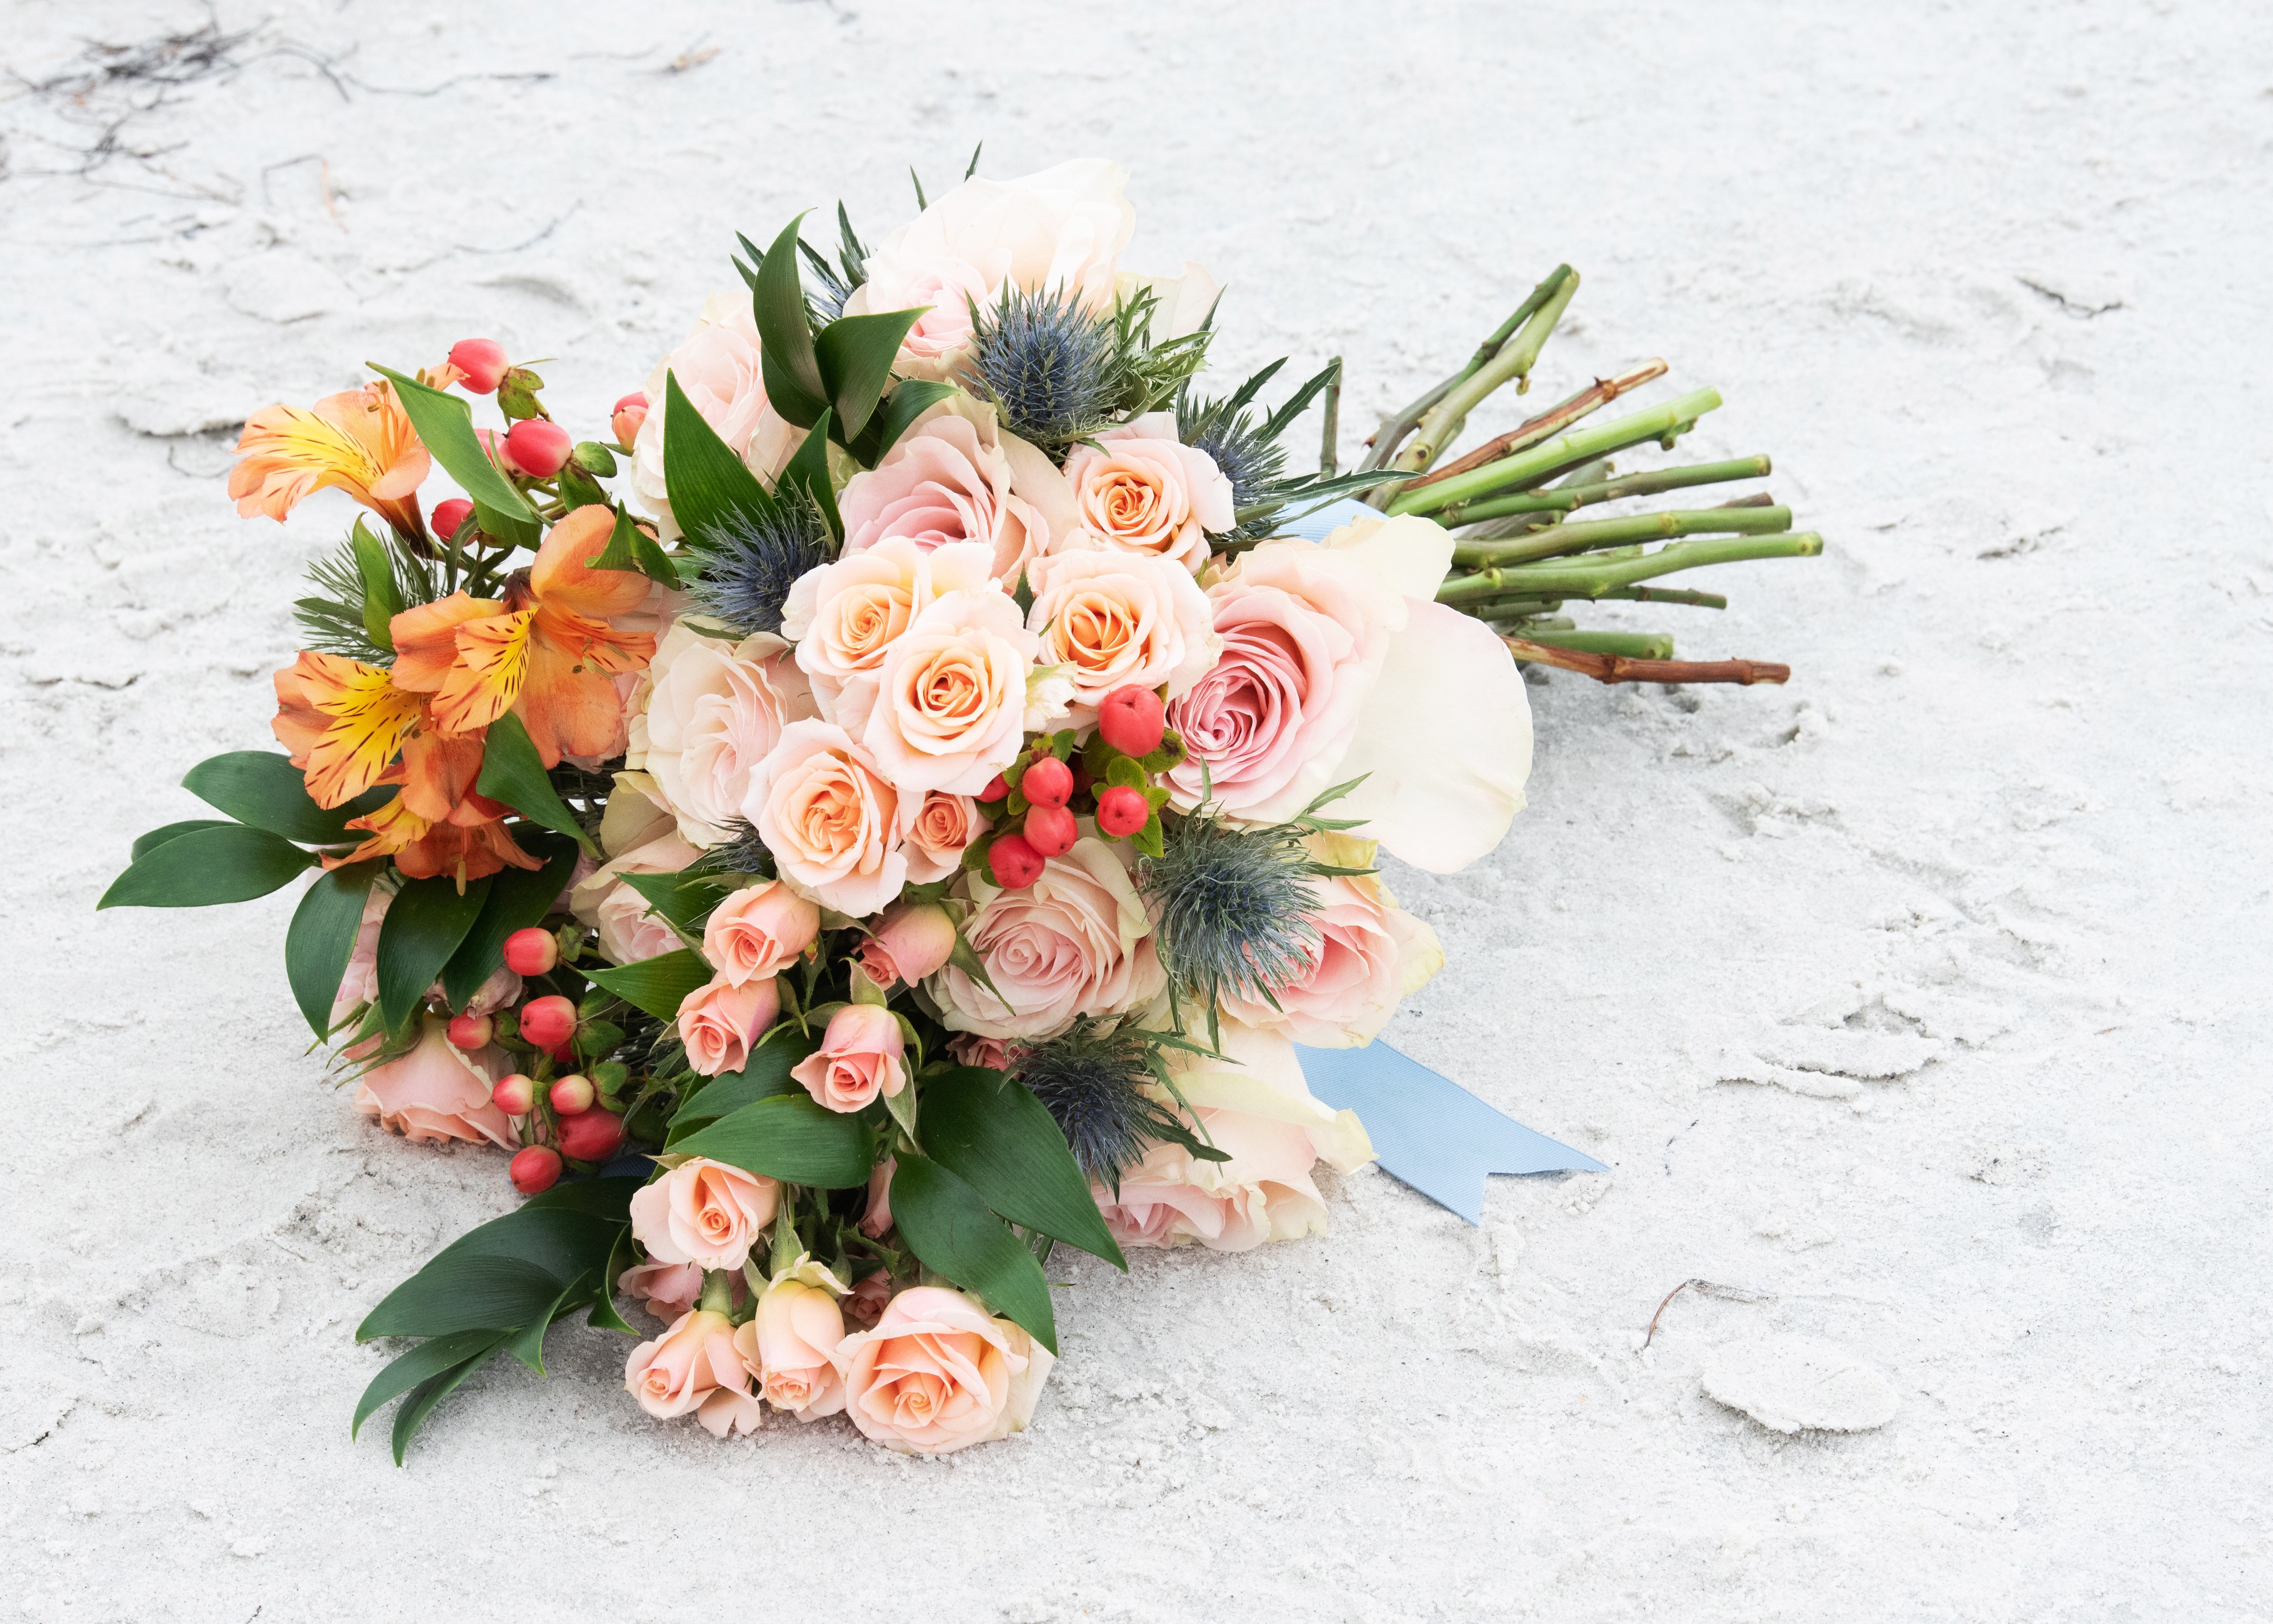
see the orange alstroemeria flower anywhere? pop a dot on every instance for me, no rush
(545, 652)
(470, 842)
(360, 442)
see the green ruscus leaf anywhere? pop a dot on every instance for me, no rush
(424, 925)
(990, 1131)
(264, 790)
(223, 863)
(948, 1226)
(322, 939)
(657, 986)
(445, 427)
(794, 386)
(710, 488)
(518, 898)
(513, 773)
(791, 1137)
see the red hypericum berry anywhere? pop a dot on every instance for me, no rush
(1051, 830)
(514, 1093)
(629, 412)
(494, 445)
(539, 447)
(997, 787)
(1047, 782)
(1132, 720)
(450, 514)
(1014, 863)
(471, 1031)
(537, 1168)
(531, 952)
(591, 1136)
(1121, 811)
(482, 361)
(548, 1022)
(570, 1094)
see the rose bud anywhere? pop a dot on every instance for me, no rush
(539, 447)
(1121, 811)
(450, 515)
(471, 1031)
(911, 940)
(482, 361)
(514, 1093)
(1014, 863)
(535, 1168)
(531, 952)
(1047, 782)
(1132, 720)
(591, 1136)
(570, 1094)
(1051, 831)
(997, 787)
(548, 1022)
(630, 412)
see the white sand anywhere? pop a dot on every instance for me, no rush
(1978, 904)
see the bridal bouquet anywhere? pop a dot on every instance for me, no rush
(897, 799)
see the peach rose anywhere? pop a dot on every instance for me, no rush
(717, 368)
(937, 1374)
(1061, 230)
(866, 1300)
(797, 1327)
(720, 1020)
(694, 1366)
(669, 1290)
(1116, 617)
(830, 818)
(940, 832)
(759, 931)
(1141, 489)
(948, 480)
(994, 1053)
(843, 617)
(1253, 1103)
(702, 717)
(1370, 953)
(629, 930)
(1337, 663)
(436, 1091)
(1076, 942)
(909, 941)
(949, 705)
(704, 1213)
(859, 1057)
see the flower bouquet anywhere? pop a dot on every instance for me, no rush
(899, 801)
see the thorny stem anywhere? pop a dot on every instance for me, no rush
(1393, 431)
(1556, 418)
(1594, 577)
(1443, 421)
(1562, 539)
(1567, 497)
(1527, 469)
(1617, 669)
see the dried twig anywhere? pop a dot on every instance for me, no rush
(1618, 668)
(1599, 393)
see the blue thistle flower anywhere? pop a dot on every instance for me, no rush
(1052, 371)
(1092, 1080)
(750, 563)
(743, 852)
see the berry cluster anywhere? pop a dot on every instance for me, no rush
(1035, 802)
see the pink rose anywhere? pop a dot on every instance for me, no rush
(939, 834)
(947, 707)
(878, 1218)
(436, 1091)
(1120, 618)
(629, 929)
(789, 1343)
(704, 1213)
(759, 931)
(1370, 953)
(719, 1020)
(1146, 492)
(946, 481)
(704, 715)
(937, 1374)
(859, 1059)
(911, 940)
(718, 370)
(994, 1053)
(359, 985)
(868, 1297)
(1076, 942)
(1338, 664)
(829, 816)
(694, 1366)
(843, 616)
(669, 1289)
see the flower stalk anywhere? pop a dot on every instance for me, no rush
(1541, 462)
(1561, 540)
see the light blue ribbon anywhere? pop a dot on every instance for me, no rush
(1340, 512)
(1428, 1131)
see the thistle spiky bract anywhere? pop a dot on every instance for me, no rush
(749, 566)
(742, 852)
(1092, 1078)
(1246, 447)
(1047, 366)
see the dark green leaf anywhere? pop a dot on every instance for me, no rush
(710, 488)
(794, 386)
(763, 1075)
(424, 925)
(562, 1241)
(684, 899)
(947, 1224)
(604, 1315)
(227, 862)
(527, 1343)
(428, 1393)
(155, 838)
(263, 789)
(908, 400)
(632, 549)
(655, 563)
(513, 773)
(381, 602)
(518, 898)
(446, 426)
(599, 1198)
(992, 1133)
(463, 1291)
(792, 1137)
(657, 986)
(428, 1359)
(809, 471)
(856, 355)
(322, 937)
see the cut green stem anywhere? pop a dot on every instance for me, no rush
(1567, 497)
(1562, 539)
(1383, 445)
(1632, 644)
(1597, 577)
(1441, 424)
(1527, 469)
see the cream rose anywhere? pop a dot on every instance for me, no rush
(1112, 618)
(951, 703)
(704, 716)
(1141, 489)
(948, 480)
(846, 616)
(694, 1365)
(1370, 953)
(939, 831)
(830, 818)
(718, 370)
(937, 1374)
(1076, 942)
(1061, 230)
(704, 1213)
(630, 932)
